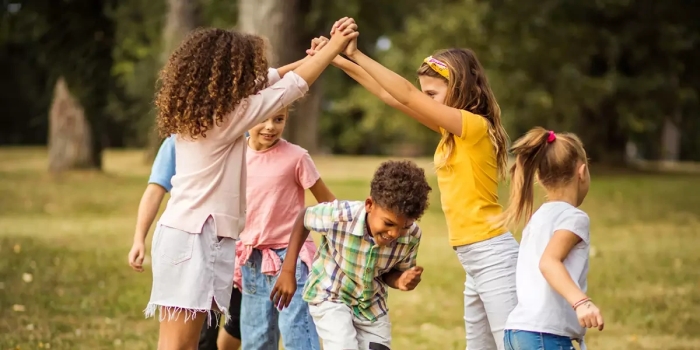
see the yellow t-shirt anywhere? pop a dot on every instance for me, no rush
(469, 184)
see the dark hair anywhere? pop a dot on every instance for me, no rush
(468, 89)
(551, 158)
(206, 78)
(400, 186)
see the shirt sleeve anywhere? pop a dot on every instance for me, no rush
(473, 126)
(256, 108)
(575, 221)
(410, 260)
(163, 168)
(307, 174)
(321, 217)
(273, 76)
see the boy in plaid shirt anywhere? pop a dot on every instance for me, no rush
(365, 247)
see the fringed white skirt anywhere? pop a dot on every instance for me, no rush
(190, 271)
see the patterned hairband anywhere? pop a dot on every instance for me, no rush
(437, 66)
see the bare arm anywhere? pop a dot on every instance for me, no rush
(405, 93)
(391, 278)
(553, 269)
(148, 209)
(292, 66)
(321, 192)
(312, 68)
(363, 78)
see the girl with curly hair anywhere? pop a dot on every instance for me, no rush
(215, 86)
(457, 102)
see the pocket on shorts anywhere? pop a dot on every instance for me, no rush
(175, 246)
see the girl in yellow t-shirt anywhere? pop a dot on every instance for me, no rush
(457, 102)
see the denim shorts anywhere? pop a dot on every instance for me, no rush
(524, 340)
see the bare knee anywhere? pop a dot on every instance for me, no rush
(227, 342)
(181, 332)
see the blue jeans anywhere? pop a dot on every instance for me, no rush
(262, 323)
(524, 340)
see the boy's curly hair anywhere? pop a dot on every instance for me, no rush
(401, 187)
(206, 78)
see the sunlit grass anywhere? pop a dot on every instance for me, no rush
(65, 284)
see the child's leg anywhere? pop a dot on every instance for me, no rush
(489, 290)
(295, 323)
(334, 324)
(376, 334)
(258, 315)
(230, 334)
(188, 283)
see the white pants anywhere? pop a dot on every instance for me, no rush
(340, 329)
(489, 291)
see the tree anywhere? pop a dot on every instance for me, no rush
(183, 16)
(281, 23)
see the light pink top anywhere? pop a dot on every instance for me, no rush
(210, 173)
(276, 180)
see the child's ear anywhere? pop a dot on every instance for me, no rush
(369, 203)
(582, 169)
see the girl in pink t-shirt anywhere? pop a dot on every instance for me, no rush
(279, 172)
(214, 87)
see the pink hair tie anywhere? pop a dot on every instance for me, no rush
(551, 137)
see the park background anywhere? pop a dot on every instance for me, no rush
(77, 80)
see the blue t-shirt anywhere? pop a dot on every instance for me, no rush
(163, 168)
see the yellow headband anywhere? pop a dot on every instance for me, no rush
(437, 66)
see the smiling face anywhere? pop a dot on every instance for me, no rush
(267, 133)
(384, 225)
(434, 87)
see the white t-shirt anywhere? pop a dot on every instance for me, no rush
(540, 308)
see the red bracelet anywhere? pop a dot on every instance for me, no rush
(581, 302)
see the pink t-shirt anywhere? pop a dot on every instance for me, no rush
(276, 180)
(210, 172)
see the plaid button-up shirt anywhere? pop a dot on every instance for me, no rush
(348, 267)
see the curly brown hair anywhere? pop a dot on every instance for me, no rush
(401, 187)
(206, 78)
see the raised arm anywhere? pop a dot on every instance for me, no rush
(290, 87)
(430, 111)
(363, 78)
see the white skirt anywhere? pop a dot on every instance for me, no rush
(190, 270)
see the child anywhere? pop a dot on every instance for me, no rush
(278, 174)
(458, 103)
(552, 265)
(365, 247)
(213, 89)
(159, 183)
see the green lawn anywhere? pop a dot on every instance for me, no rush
(65, 282)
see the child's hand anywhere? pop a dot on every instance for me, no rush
(343, 31)
(136, 255)
(410, 278)
(284, 289)
(316, 45)
(351, 47)
(589, 316)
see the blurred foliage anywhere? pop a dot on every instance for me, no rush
(610, 70)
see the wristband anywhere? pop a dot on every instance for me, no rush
(581, 302)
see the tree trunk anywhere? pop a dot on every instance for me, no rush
(70, 139)
(181, 19)
(670, 140)
(281, 23)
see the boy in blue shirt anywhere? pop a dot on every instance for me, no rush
(159, 183)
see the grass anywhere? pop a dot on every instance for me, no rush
(65, 283)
